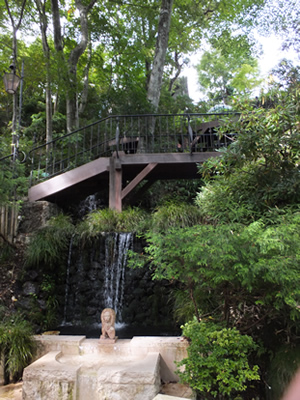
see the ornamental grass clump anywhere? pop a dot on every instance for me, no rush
(17, 345)
(175, 215)
(50, 244)
(107, 220)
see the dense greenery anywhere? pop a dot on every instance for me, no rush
(131, 220)
(240, 265)
(222, 76)
(17, 345)
(222, 368)
(234, 252)
(50, 243)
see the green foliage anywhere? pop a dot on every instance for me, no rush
(49, 245)
(260, 170)
(223, 75)
(252, 270)
(175, 214)
(171, 191)
(6, 252)
(184, 300)
(45, 318)
(17, 345)
(37, 128)
(281, 17)
(107, 220)
(218, 360)
(13, 183)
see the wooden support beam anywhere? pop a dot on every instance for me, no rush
(142, 175)
(115, 184)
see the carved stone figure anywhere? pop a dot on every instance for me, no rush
(108, 319)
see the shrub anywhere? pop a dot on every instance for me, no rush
(217, 363)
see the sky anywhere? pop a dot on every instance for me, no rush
(271, 56)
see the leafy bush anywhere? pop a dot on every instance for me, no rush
(217, 363)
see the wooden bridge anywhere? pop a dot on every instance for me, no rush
(118, 153)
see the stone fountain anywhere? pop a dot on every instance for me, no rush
(77, 368)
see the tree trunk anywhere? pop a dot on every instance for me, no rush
(46, 49)
(84, 93)
(73, 61)
(58, 43)
(71, 78)
(15, 127)
(156, 75)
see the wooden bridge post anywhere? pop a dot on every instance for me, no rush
(115, 184)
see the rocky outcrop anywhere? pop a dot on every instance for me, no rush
(35, 215)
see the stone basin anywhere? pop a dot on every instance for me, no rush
(76, 368)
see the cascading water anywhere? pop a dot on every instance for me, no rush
(86, 206)
(116, 250)
(67, 279)
(95, 278)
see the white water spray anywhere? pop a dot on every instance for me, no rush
(116, 251)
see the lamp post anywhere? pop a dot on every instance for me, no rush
(11, 80)
(11, 83)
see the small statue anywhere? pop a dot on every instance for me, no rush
(108, 319)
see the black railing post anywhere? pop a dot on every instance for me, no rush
(117, 136)
(66, 152)
(190, 134)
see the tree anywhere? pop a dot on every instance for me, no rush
(212, 16)
(155, 81)
(43, 18)
(70, 65)
(15, 27)
(282, 18)
(265, 155)
(223, 76)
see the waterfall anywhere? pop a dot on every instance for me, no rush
(68, 279)
(116, 250)
(95, 278)
(89, 204)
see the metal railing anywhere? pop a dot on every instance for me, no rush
(159, 133)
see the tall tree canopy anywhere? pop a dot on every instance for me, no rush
(104, 52)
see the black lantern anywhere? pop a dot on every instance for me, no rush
(11, 80)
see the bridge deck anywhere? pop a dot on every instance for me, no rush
(117, 153)
(120, 175)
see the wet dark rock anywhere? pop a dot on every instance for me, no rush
(30, 288)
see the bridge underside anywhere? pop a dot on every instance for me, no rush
(119, 174)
